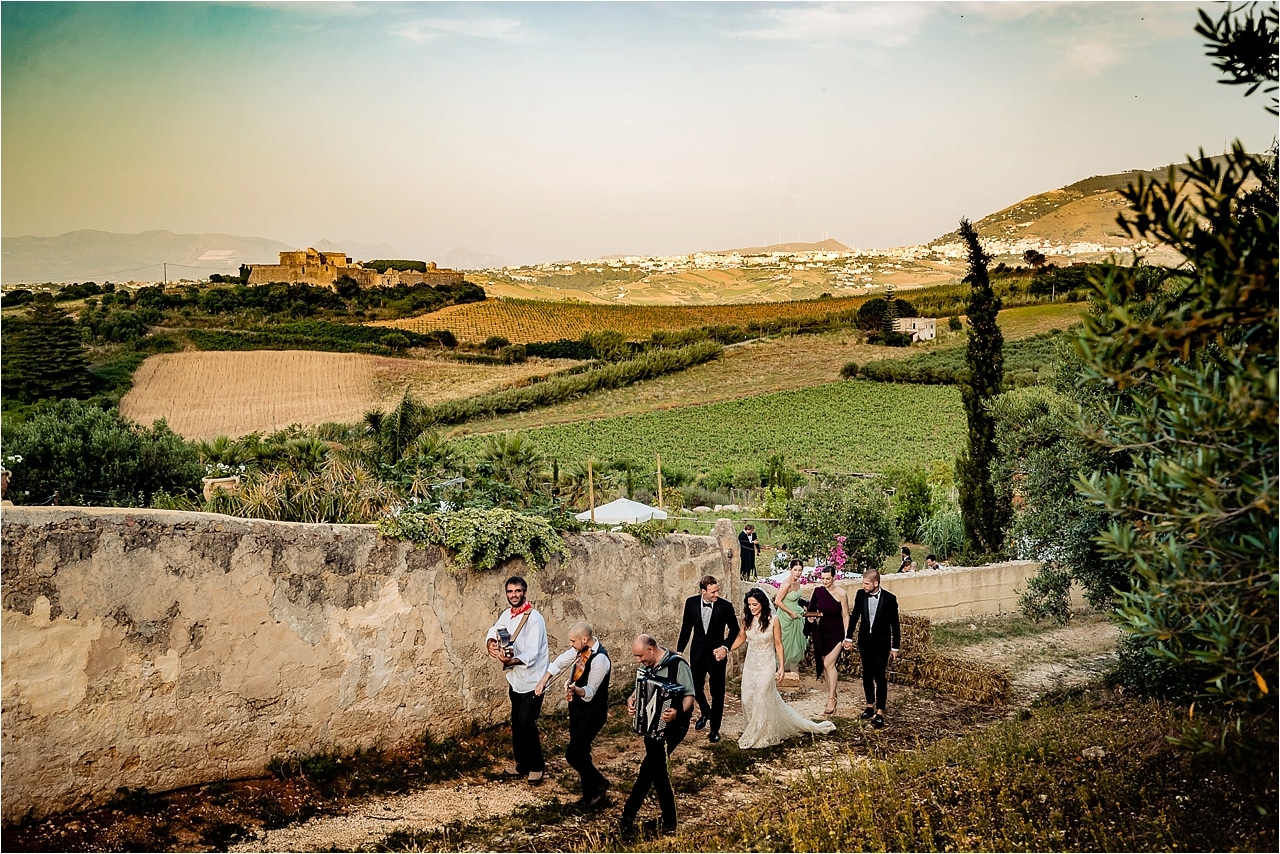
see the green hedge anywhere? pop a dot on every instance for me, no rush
(569, 385)
(320, 335)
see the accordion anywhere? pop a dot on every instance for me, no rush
(653, 697)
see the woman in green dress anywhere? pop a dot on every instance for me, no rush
(791, 616)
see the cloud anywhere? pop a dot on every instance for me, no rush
(880, 24)
(422, 30)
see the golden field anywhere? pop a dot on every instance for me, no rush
(523, 321)
(204, 394)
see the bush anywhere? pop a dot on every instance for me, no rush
(91, 456)
(480, 538)
(861, 513)
(943, 532)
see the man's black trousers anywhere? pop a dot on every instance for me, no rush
(526, 743)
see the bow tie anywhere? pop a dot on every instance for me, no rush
(873, 595)
(706, 604)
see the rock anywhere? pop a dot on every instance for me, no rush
(1093, 753)
(702, 508)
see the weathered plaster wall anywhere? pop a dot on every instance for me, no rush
(160, 649)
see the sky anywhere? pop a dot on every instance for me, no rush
(544, 131)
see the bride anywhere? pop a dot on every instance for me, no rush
(770, 721)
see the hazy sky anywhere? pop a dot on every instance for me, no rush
(538, 131)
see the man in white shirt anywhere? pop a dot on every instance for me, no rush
(524, 659)
(587, 692)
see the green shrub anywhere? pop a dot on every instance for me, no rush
(482, 539)
(943, 531)
(93, 456)
(862, 513)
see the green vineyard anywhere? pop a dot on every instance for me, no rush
(838, 427)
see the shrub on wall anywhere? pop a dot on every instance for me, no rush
(479, 538)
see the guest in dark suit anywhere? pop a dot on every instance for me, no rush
(875, 613)
(709, 628)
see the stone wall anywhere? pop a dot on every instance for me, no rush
(159, 649)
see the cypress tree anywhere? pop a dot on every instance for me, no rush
(985, 515)
(44, 355)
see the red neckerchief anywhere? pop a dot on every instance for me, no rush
(527, 606)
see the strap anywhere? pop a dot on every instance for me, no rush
(523, 619)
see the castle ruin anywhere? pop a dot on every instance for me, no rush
(312, 267)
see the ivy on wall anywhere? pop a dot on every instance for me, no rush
(482, 539)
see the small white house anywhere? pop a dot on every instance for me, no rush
(919, 328)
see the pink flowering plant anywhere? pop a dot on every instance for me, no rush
(837, 557)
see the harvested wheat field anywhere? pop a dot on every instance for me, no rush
(204, 394)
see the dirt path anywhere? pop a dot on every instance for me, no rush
(1055, 659)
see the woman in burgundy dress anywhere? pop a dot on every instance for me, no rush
(830, 608)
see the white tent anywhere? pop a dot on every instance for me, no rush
(624, 510)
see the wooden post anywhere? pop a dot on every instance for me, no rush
(659, 456)
(591, 491)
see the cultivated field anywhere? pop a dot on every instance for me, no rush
(760, 367)
(204, 394)
(841, 426)
(524, 321)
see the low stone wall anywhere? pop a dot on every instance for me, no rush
(160, 649)
(954, 592)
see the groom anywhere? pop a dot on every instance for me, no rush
(712, 626)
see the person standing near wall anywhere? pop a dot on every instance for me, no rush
(587, 691)
(749, 547)
(519, 640)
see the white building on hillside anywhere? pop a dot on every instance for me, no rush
(919, 328)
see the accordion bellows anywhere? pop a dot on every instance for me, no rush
(653, 697)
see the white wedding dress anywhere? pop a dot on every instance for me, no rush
(770, 721)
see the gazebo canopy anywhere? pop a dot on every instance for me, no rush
(624, 510)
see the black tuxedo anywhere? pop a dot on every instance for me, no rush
(875, 641)
(722, 631)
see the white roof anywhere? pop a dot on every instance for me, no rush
(623, 510)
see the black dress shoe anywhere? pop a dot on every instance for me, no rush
(867, 714)
(701, 724)
(627, 829)
(714, 737)
(878, 721)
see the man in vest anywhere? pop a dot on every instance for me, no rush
(654, 773)
(587, 691)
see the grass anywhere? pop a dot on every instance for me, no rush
(1094, 772)
(971, 630)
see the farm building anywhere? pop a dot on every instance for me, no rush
(919, 328)
(313, 267)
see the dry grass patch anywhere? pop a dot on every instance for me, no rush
(204, 394)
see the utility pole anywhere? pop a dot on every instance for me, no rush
(166, 273)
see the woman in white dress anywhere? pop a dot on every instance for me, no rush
(770, 721)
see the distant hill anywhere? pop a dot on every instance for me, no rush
(101, 256)
(1083, 212)
(104, 256)
(821, 246)
(462, 258)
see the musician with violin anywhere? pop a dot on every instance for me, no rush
(661, 707)
(587, 692)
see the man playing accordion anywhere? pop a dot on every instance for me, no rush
(658, 665)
